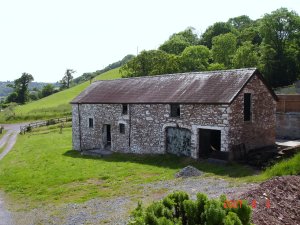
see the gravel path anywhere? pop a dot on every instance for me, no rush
(116, 211)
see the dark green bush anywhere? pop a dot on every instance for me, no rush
(178, 209)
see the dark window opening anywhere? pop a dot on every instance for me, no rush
(122, 128)
(124, 109)
(247, 107)
(91, 122)
(175, 110)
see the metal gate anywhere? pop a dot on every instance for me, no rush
(178, 141)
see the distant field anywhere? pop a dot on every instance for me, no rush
(56, 105)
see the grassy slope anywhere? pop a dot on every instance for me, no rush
(57, 104)
(42, 168)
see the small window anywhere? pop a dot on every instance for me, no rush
(175, 110)
(122, 128)
(247, 107)
(91, 122)
(124, 109)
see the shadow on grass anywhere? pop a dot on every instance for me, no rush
(171, 161)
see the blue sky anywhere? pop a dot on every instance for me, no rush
(45, 37)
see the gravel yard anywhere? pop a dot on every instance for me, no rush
(117, 210)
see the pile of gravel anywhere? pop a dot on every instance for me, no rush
(188, 171)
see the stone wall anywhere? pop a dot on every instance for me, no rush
(288, 125)
(102, 114)
(145, 126)
(260, 131)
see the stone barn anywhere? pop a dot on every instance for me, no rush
(199, 114)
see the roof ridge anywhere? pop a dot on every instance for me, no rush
(186, 73)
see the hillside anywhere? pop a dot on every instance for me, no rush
(55, 105)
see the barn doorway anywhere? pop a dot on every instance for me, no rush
(107, 135)
(178, 141)
(209, 143)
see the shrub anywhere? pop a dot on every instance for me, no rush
(50, 122)
(178, 209)
(28, 129)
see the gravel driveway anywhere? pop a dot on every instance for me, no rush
(116, 210)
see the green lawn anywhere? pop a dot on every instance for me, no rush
(56, 105)
(42, 168)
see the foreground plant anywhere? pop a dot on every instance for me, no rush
(178, 209)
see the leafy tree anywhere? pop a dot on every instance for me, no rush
(67, 79)
(189, 35)
(20, 86)
(246, 56)
(216, 66)
(175, 45)
(215, 30)
(151, 62)
(12, 97)
(280, 47)
(240, 22)
(195, 58)
(47, 90)
(223, 49)
(251, 34)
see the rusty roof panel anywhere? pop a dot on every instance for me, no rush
(199, 87)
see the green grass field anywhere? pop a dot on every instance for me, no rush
(56, 105)
(42, 168)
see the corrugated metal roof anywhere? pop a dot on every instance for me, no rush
(198, 87)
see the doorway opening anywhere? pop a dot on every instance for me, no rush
(107, 135)
(210, 143)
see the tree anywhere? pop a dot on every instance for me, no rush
(20, 87)
(195, 58)
(223, 49)
(151, 62)
(47, 90)
(215, 30)
(12, 97)
(175, 45)
(216, 66)
(67, 79)
(240, 22)
(280, 47)
(246, 56)
(189, 35)
(179, 41)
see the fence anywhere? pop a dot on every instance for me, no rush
(288, 103)
(28, 127)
